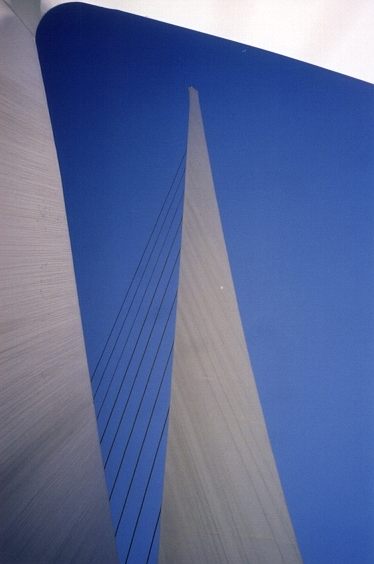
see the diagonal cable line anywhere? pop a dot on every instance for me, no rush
(139, 335)
(140, 403)
(146, 489)
(140, 305)
(153, 536)
(141, 279)
(139, 263)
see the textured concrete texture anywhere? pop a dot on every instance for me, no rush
(223, 500)
(54, 503)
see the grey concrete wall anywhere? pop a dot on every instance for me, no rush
(223, 501)
(53, 498)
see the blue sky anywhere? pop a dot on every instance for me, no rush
(291, 148)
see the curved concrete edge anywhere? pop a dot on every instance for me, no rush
(336, 35)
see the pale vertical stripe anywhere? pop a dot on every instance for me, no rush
(223, 500)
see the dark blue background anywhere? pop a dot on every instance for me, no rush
(291, 147)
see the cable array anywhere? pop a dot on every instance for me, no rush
(146, 488)
(131, 382)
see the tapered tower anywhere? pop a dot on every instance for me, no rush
(223, 501)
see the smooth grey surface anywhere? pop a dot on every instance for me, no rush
(223, 500)
(53, 499)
